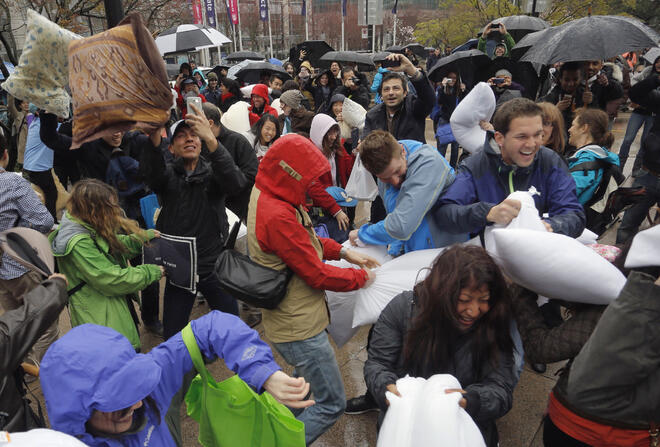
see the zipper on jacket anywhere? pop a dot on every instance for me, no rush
(511, 189)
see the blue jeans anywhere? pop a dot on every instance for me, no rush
(635, 122)
(634, 216)
(314, 359)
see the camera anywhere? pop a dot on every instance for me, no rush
(355, 80)
(498, 81)
(390, 63)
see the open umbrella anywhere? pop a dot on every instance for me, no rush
(469, 45)
(526, 43)
(520, 26)
(395, 49)
(238, 56)
(252, 71)
(314, 48)
(523, 73)
(651, 55)
(363, 61)
(467, 63)
(591, 38)
(416, 48)
(380, 57)
(189, 37)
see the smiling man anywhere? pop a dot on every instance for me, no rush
(512, 159)
(402, 113)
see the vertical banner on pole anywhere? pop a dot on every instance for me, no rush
(263, 10)
(210, 13)
(232, 6)
(343, 8)
(303, 8)
(197, 12)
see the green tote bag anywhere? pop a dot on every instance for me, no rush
(231, 414)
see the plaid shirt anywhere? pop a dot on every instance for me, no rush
(19, 207)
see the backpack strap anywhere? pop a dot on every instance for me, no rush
(77, 288)
(609, 171)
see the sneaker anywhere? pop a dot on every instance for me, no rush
(361, 404)
(155, 328)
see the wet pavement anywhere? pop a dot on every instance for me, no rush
(520, 427)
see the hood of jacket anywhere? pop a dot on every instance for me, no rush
(382, 70)
(260, 90)
(77, 378)
(291, 164)
(321, 124)
(593, 151)
(69, 228)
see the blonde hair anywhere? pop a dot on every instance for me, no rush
(96, 203)
(552, 114)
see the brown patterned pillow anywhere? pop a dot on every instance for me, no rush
(118, 82)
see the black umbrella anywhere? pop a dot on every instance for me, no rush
(591, 38)
(526, 43)
(218, 68)
(238, 56)
(380, 57)
(252, 72)
(363, 61)
(416, 48)
(314, 48)
(467, 63)
(395, 49)
(520, 26)
(521, 72)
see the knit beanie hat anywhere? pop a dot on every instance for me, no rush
(292, 98)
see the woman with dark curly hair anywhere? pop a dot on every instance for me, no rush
(457, 321)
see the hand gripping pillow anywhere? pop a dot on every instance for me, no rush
(342, 304)
(392, 278)
(478, 105)
(425, 415)
(557, 266)
(118, 82)
(43, 68)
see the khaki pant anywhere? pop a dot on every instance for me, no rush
(11, 297)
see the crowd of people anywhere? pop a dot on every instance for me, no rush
(279, 155)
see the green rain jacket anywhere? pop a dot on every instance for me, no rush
(82, 256)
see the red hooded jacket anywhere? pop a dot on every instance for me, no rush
(285, 173)
(260, 90)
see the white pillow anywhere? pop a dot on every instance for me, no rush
(392, 278)
(557, 266)
(237, 118)
(645, 249)
(353, 114)
(478, 105)
(43, 68)
(342, 304)
(425, 415)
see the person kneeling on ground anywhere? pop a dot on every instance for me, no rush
(118, 397)
(454, 322)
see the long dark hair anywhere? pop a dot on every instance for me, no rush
(256, 129)
(232, 87)
(435, 328)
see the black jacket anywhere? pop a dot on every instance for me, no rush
(92, 157)
(489, 396)
(646, 94)
(193, 204)
(411, 122)
(361, 95)
(245, 158)
(19, 330)
(227, 103)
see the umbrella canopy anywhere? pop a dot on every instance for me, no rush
(591, 38)
(395, 49)
(275, 61)
(314, 48)
(379, 57)
(416, 48)
(469, 45)
(526, 43)
(363, 61)
(238, 56)
(651, 55)
(189, 37)
(523, 73)
(466, 63)
(520, 26)
(252, 71)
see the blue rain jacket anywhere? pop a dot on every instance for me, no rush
(587, 182)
